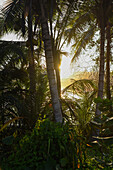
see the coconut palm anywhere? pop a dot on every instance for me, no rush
(105, 8)
(58, 40)
(49, 61)
(93, 13)
(39, 9)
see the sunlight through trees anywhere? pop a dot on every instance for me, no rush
(56, 84)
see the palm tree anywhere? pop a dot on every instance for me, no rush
(102, 57)
(13, 80)
(58, 40)
(94, 12)
(105, 8)
(40, 8)
(50, 64)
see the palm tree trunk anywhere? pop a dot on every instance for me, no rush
(102, 61)
(101, 68)
(56, 60)
(58, 81)
(50, 66)
(50, 71)
(31, 69)
(108, 62)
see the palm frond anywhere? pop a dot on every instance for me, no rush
(10, 10)
(1, 25)
(9, 122)
(80, 86)
(11, 50)
(12, 17)
(80, 23)
(86, 37)
(63, 23)
(64, 53)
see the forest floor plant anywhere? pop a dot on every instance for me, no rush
(49, 146)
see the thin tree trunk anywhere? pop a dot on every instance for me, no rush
(101, 68)
(102, 61)
(58, 81)
(108, 93)
(50, 66)
(31, 69)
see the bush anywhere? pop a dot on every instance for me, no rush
(49, 146)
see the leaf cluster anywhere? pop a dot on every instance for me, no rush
(50, 145)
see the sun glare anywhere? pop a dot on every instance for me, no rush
(65, 67)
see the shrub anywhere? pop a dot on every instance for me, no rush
(49, 146)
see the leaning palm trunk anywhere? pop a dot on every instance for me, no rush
(50, 66)
(50, 71)
(56, 60)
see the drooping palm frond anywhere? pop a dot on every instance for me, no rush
(79, 87)
(85, 39)
(59, 27)
(9, 122)
(80, 108)
(62, 23)
(78, 25)
(10, 13)
(1, 25)
(9, 6)
(12, 50)
(12, 103)
(13, 16)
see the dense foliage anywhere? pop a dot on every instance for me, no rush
(49, 146)
(42, 127)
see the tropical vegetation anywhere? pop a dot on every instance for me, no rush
(43, 126)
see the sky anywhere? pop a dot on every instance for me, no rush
(2, 2)
(84, 62)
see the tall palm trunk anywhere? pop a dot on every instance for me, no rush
(50, 66)
(31, 69)
(56, 60)
(108, 61)
(101, 68)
